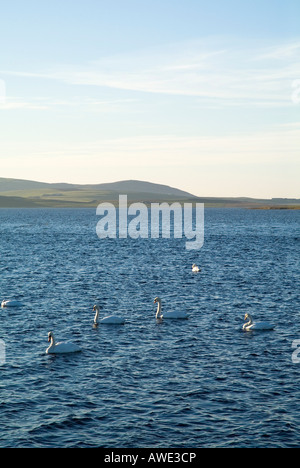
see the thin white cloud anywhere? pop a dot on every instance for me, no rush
(227, 75)
(275, 146)
(20, 104)
(84, 104)
(285, 52)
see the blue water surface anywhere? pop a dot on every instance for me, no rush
(184, 384)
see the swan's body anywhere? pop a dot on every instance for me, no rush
(168, 315)
(61, 348)
(11, 304)
(110, 320)
(256, 326)
(195, 269)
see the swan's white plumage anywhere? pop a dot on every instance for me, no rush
(250, 325)
(11, 304)
(61, 348)
(195, 269)
(110, 320)
(168, 315)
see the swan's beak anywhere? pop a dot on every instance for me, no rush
(49, 339)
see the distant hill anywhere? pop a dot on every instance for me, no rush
(16, 202)
(10, 185)
(16, 193)
(126, 186)
(136, 186)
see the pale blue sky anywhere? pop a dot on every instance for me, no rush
(200, 95)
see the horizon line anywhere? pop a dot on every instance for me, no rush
(146, 182)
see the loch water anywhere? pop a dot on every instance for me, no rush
(200, 382)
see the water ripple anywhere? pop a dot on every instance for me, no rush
(197, 383)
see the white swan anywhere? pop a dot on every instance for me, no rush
(195, 269)
(11, 304)
(256, 326)
(167, 315)
(110, 320)
(61, 348)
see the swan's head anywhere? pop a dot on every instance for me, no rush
(96, 307)
(247, 317)
(50, 336)
(157, 300)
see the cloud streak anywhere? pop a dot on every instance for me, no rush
(213, 70)
(256, 148)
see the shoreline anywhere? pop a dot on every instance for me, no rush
(25, 203)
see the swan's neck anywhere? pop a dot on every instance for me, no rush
(52, 342)
(158, 313)
(96, 316)
(248, 324)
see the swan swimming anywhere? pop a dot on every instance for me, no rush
(256, 326)
(61, 348)
(167, 315)
(195, 269)
(11, 304)
(110, 320)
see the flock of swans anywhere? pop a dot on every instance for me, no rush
(68, 347)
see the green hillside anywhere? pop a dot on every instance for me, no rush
(15, 193)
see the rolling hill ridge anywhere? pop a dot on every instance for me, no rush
(17, 193)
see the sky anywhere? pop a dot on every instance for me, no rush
(202, 96)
